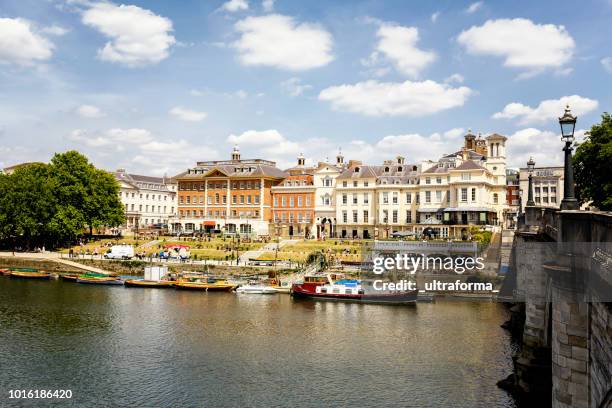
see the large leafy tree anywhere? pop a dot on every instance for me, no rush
(27, 205)
(89, 196)
(593, 164)
(51, 204)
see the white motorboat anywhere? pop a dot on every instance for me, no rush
(257, 289)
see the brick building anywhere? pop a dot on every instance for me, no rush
(230, 196)
(293, 202)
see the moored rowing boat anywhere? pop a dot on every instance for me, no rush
(100, 281)
(30, 275)
(69, 278)
(6, 272)
(141, 283)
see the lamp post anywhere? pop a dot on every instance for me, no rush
(530, 167)
(568, 123)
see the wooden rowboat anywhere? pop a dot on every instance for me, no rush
(140, 283)
(30, 275)
(206, 286)
(100, 281)
(6, 272)
(69, 278)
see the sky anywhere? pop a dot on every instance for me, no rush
(154, 86)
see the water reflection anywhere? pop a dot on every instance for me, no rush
(138, 347)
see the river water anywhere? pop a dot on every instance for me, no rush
(116, 346)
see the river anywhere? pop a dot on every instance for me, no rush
(116, 346)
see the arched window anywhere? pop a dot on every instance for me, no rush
(400, 169)
(386, 169)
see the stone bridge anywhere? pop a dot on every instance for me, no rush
(560, 281)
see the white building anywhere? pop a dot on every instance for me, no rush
(148, 201)
(324, 180)
(547, 186)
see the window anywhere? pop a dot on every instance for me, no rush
(408, 217)
(354, 216)
(428, 196)
(248, 199)
(496, 199)
(395, 216)
(464, 195)
(385, 198)
(365, 216)
(256, 199)
(466, 176)
(344, 184)
(366, 198)
(385, 216)
(344, 199)
(394, 199)
(224, 199)
(553, 189)
(299, 201)
(355, 198)
(326, 199)
(438, 196)
(307, 201)
(235, 200)
(408, 198)
(344, 217)
(439, 180)
(216, 198)
(355, 183)
(427, 180)
(365, 183)
(291, 201)
(327, 182)
(283, 201)
(473, 194)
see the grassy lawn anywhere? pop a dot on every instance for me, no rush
(339, 249)
(216, 248)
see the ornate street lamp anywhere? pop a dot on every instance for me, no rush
(568, 123)
(530, 167)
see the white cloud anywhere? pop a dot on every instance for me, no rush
(235, 5)
(279, 41)
(138, 36)
(196, 92)
(113, 137)
(20, 45)
(607, 64)
(269, 144)
(140, 151)
(547, 110)
(434, 16)
(544, 146)
(55, 30)
(520, 42)
(187, 115)
(408, 98)
(454, 133)
(474, 7)
(268, 5)
(399, 45)
(294, 86)
(89, 111)
(457, 78)
(242, 94)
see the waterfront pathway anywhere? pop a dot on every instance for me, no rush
(270, 247)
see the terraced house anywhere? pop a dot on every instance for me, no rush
(148, 201)
(230, 196)
(293, 202)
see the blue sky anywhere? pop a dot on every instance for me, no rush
(153, 86)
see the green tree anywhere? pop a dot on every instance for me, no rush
(89, 196)
(27, 205)
(592, 165)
